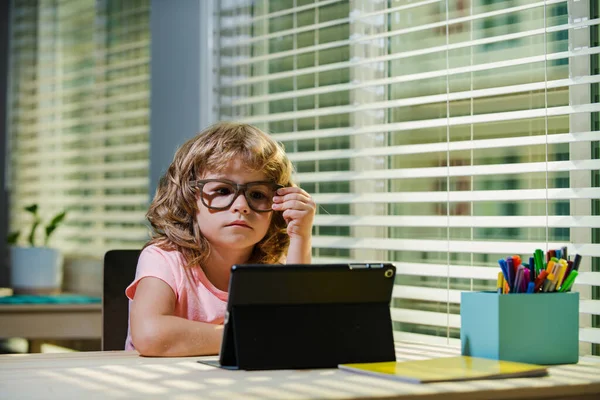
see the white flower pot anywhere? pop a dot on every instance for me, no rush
(36, 270)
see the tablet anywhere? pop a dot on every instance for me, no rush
(308, 316)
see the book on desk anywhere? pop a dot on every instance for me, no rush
(447, 369)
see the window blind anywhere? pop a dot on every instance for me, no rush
(439, 135)
(79, 89)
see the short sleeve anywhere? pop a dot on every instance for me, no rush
(157, 263)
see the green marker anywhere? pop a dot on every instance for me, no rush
(539, 261)
(566, 286)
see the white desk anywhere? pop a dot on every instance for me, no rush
(125, 375)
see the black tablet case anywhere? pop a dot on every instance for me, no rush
(308, 316)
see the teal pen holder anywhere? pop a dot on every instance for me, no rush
(538, 328)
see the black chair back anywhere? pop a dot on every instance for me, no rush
(119, 272)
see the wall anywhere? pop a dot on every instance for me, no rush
(180, 68)
(4, 13)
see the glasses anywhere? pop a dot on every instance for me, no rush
(219, 194)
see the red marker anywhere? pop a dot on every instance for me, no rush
(539, 281)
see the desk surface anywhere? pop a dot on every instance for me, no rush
(121, 374)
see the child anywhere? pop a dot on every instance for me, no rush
(227, 198)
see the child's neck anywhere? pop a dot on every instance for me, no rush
(218, 265)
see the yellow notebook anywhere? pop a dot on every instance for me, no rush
(461, 368)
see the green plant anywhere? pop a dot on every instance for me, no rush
(13, 237)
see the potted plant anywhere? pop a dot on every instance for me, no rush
(36, 268)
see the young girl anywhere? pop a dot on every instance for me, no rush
(227, 198)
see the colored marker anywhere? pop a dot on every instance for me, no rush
(564, 252)
(548, 283)
(561, 273)
(517, 287)
(526, 279)
(530, 287)
(550, 266)
(539, 281)
(500, 282)
(538, 256)
(504, 268)
(516, 261)
(569, 281)
(576, 262)
(510, 268)
(532, 269)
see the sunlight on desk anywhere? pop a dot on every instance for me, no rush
(125, 375)
(146, 386)
(134, 373)
(167, 369)
(184, 385)
(259, 378)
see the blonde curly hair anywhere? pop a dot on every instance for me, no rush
(173, 210)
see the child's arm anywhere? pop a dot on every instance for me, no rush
(299, 212)
(155, 331)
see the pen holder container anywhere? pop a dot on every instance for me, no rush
(530, 328)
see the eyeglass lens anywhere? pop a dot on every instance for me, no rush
(222, 194)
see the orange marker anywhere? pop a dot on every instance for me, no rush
(516, 260)
(550, 266)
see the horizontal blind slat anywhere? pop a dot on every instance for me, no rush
(242, 61)
(490, 66)
(426, 294)
(456, 246)
(425, 317)
(434, 172)
(440, 122)
(589, 307)
(457, 196)
(590, 335)
(588, 278)
(478, 144)
(405, 102)
(452, 221)
(426, 339)
(244, 20)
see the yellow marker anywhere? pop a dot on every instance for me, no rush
(500, 282)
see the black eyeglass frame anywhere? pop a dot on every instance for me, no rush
(239, 187)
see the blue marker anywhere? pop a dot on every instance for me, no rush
(532, 269)
(510, 268)
(530, 287)
(507, 274)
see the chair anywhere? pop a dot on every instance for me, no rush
(119, 272)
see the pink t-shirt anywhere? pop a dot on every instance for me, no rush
(196, 299)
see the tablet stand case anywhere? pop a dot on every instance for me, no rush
(308, 316)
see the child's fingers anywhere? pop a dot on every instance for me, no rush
(293, 189)
(293, 198)
(294, 214)
(298, 204)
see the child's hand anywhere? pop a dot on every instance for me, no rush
(298, 210)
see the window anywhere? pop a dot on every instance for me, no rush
(79, 90)
(438, 135)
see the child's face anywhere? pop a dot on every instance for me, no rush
(237, 227)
